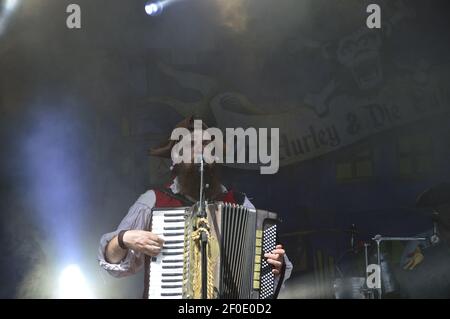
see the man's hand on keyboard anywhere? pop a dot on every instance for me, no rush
(143, 241)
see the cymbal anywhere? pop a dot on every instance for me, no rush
(434, 196)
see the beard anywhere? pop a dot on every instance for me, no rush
(189, 180)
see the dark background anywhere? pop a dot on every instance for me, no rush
(81, 108)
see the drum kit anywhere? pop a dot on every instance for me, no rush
(359, 287)
(356, 286)
(378, 278)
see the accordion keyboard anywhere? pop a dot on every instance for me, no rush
(238, 238)
(166, 269)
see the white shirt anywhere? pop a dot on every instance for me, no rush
(137, 218)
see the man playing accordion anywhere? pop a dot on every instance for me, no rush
(122, 252)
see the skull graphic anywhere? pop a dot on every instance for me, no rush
(360, 52)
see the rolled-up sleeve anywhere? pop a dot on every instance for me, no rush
(287, 272)
(137, 218)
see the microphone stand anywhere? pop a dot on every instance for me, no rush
(434, 239)
(201, 213)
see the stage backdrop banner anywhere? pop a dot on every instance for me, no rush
(305, 135)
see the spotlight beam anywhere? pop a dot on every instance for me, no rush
(7, 8)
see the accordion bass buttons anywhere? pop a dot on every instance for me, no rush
(258, 257)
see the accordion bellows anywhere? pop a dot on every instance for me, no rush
(238, 238)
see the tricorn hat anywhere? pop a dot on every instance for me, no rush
(164, 150)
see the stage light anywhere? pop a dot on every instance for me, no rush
(72, 284)
(10, 4)
(7, 8)
(154, 8)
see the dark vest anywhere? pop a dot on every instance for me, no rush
(165, 198)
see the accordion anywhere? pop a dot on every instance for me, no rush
(238, 238)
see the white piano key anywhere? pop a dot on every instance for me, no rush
(171, 257)
(171, 290)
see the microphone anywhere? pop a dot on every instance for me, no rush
(205, 159)
(198, 158)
